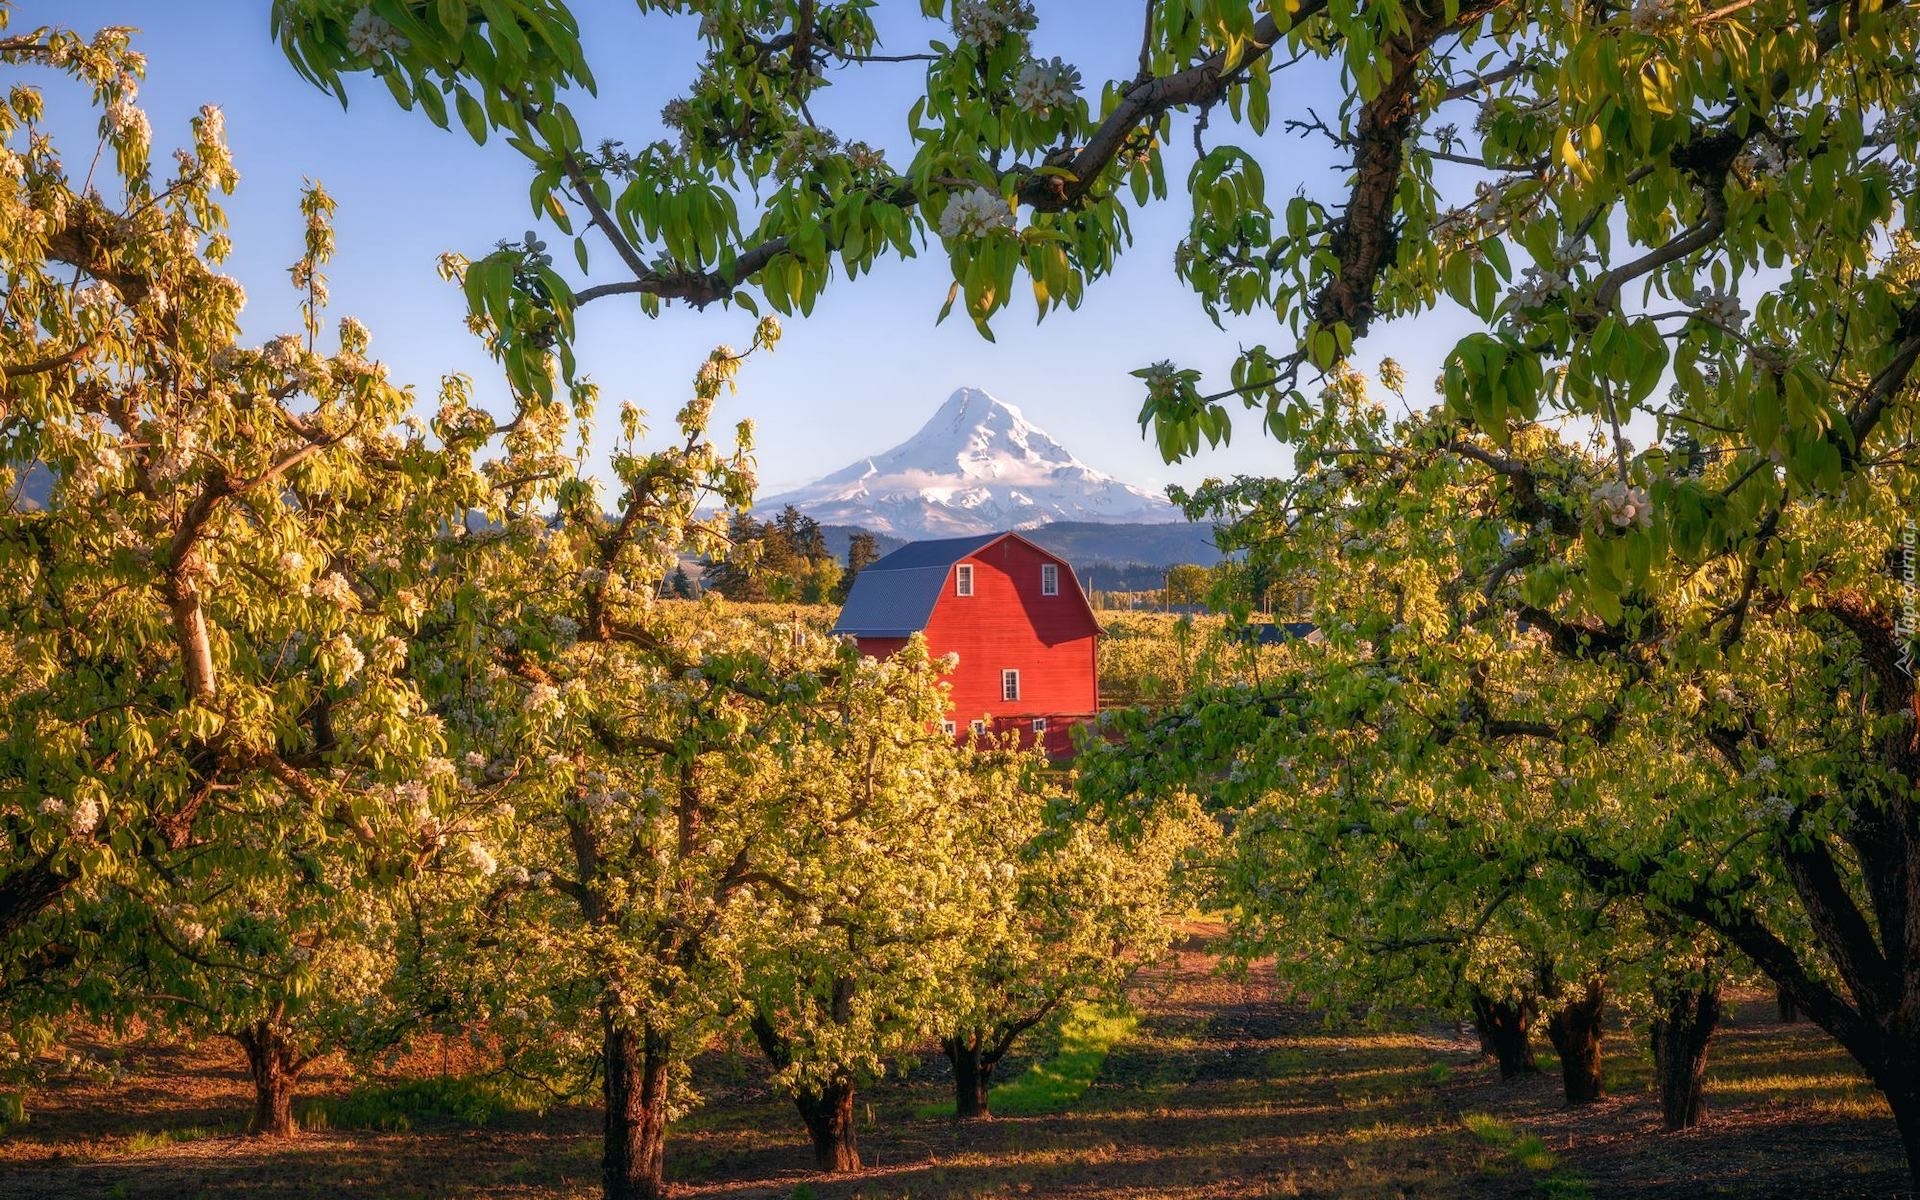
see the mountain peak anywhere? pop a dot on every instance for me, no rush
(977, 465)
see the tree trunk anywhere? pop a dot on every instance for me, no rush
(828, 1113)
(1483, 1031)
(274, 1067)
(633, 1161)
(1904, 1099)
(1783, 1004)
(972, 1077)
(1574, 1029)
(1686, 1024)
(1504, 1024)
(29, 890)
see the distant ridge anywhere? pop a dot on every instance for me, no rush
(1086, 544)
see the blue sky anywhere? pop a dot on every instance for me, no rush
(859, 375)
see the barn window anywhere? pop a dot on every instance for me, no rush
(946, 727)
(1039, 724)
(1049, 579)
(963, 580)
(979, 728)
(1009, 684)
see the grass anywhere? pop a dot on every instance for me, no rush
(159, 1139)
(1056, 1083)
(1527, 1152)
(396, 1107)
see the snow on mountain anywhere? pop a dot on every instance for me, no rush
(977, 466)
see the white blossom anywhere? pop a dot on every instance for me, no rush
(346, 656)
(1720, 308)
(282, 352)
(1535, 288)
(213, 122)
(335, 590)
(127, 122)
(975, 213)
(1651, 16)
(96, 295)
(85, 816)
(369, 34)
(1620, 504)
(1761, 160)
(982, 23)
(1045, 84)
(481, 859)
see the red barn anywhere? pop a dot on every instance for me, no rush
(1013, 612)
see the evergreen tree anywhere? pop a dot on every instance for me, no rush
(861, 550)
(736, 575)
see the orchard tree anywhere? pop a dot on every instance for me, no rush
(880, 890)
(695, 805)
(1378, 862)
(207, 556)
(1723, 748)
(616, 726)
(1066, 918)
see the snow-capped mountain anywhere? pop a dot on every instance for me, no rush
(976, 467)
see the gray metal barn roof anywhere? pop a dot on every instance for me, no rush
(893, 596)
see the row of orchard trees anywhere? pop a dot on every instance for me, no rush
(320, 724)
(1533, 772)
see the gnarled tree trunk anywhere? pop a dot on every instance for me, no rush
(1574, 1029)
(1686, 1024)
(1503, 1026)
(826, 1109)
(633, 1161)
(972, 1077)
(1903, 1097)
(828, 1112)
(274, 1066)
(1784, 1007)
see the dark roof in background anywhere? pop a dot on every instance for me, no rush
(1267, 633)
(941, 552)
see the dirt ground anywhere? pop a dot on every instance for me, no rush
(1225, 1093)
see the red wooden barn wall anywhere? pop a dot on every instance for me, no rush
(1050, 640)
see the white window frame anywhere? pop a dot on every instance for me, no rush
(1049, 579)
(948, 728)
(979, 728)
(1009, 683)
(963, 580)
(1039, 724)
